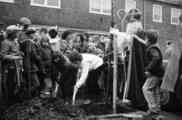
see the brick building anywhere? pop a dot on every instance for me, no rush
(80, 15)
(93, 16)
(162, 15)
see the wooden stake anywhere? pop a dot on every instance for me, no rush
(115, 76)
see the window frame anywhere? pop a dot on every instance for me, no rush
(102, 13)
(154, 5)
(45, 4)
(10, 1)
(130, 1)
(179, 10)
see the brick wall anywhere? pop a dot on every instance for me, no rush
(73, 14)
(166, 29)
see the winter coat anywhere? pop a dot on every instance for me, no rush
(154, 58)
(46, 56)
(63, 66)
(35, 61)
(9, 49)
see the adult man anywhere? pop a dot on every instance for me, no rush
(90, 67)
(136, 63)
(11, 63)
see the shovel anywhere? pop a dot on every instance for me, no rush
(74, 93)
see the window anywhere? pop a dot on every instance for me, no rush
(10, 1)
(157, 13)
(100, 6)
(129, 4)
(47, 3)
(175, 14)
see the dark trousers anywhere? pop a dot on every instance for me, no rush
(92, 81)
(68, 83)
(34, 85)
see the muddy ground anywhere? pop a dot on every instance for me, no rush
(51, 109)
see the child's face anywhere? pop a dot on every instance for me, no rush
(45, 43)
(52, 34)
(77, 64)
(96, 43)
(147, 40)
(78, 42)
(90, 47)
(32, 36)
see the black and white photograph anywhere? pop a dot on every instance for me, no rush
(90, 59)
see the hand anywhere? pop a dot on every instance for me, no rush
(113, 30)
(22, 54)
(147, 74)
(17, 58)
(79, 72)
(44, 72)
(75, 88)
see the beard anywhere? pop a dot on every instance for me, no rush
(132, 27)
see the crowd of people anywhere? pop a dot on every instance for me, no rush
(35, 62)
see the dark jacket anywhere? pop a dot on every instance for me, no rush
(154, 59)
(35, 61)
(46, 56)
(64, 67)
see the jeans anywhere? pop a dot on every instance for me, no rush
(48, 84)
(151, 93)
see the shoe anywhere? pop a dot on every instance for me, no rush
(45, 95)
(90, 101)
(150, 114)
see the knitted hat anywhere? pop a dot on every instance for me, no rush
(133, 15)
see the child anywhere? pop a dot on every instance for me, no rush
(154, 71)
(46, 54)
(68, 73)
(88, 64)
(91, 48)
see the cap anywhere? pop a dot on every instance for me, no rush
(12, 28)
(30, 31)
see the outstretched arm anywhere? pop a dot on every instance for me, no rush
(139, 39)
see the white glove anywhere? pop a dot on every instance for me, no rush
(75, 88)
(113, 31)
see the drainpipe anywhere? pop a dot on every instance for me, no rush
(144, 20)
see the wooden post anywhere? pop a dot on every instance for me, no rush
(115, 64)
(115, 76)
(28, 55)
(109, 57)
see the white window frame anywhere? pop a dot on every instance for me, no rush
(45, 4)
(179, 13)
(90, 10)
(160, 14)
(129, 1)
(8, 1)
